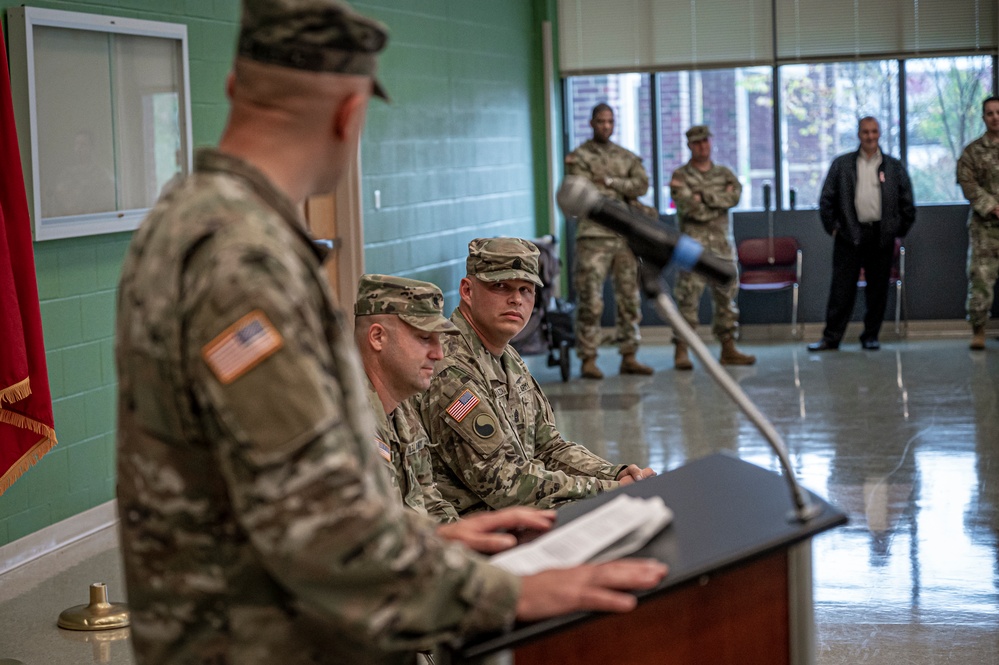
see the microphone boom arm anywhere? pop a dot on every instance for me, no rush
(804, 509)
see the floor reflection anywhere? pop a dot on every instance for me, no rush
(905, 440)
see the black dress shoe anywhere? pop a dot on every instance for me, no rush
(870, 344)
(823, 345)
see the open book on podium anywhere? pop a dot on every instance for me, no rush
(614, 530)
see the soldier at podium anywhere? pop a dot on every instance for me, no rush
(257, 523)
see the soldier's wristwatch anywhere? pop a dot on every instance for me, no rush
(608, 181)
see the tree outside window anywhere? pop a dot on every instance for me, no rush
(821, 106)
(944, 114)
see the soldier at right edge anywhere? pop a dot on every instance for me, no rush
(978, 175)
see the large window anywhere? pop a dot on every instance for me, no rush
(928, 108)
(737, 105)
(943, 101)
(820, 107)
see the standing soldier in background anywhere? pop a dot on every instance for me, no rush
(618, 174)
(704, 192)
(978, 175)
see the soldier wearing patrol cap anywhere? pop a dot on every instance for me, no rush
(258, 525)
(618, 174)
(704, 193)
(978, 176)
(397, 328)
(495, 440)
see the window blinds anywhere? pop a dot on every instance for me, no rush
(652, 35)
(598, 36)
(842, 29)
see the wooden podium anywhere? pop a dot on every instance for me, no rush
(739, 588)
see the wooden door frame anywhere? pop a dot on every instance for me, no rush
(339, 217)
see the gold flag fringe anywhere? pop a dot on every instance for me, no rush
(33, 454)
(16, 392)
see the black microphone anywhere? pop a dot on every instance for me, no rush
(658, 244)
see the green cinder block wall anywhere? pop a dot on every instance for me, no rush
(453, 156)
(459, 153)
(77, 287)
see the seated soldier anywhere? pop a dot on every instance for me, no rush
(493, 430)
(398, 328)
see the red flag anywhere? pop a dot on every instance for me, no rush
(26, 425)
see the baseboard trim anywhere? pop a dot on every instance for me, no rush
(781, 332)
(63, 533)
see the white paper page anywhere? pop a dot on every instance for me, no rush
(589, 535)
(658, 519)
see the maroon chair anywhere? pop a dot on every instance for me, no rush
(897, 279)
(771, 264)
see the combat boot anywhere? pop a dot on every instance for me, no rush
(731, 356)
(631, 366)
(681, 360)
(590, 369)
(977, 339)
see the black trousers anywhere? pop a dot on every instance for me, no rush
(848, 259)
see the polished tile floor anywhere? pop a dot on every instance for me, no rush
(905, 440)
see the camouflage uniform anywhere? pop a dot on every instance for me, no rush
(707, 221)
(257, 523)
(403, 443)
(495, 441)
(600, 251)
(399, 436)
(978, 175)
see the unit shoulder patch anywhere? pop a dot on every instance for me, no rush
(484, 425)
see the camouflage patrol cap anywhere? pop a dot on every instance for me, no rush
(314, 35)
(420, 304)
(496, 259)
(698, 133)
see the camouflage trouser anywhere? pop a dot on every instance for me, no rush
(689, 287)
(983, 269)
(595, 258)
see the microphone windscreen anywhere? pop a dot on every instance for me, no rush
(577, 197)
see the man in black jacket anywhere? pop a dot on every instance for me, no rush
(866, 203)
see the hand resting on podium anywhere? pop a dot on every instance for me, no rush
(596, 588)
(493, 532)
(632, 473)
(588, 587)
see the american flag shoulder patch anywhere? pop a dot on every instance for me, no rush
(460, 407)
(242, 346)
(384, 449)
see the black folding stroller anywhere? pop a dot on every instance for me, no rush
(550, 327)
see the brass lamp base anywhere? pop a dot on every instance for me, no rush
(98, 615)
